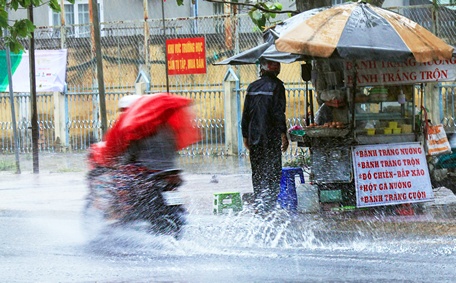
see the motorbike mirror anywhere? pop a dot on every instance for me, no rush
(306, 70)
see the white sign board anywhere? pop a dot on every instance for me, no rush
(387, 174)
(396, 73)
(50, 68)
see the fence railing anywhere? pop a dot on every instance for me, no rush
(85, 128)
(448, 106)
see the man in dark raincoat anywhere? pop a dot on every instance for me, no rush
(264, 134)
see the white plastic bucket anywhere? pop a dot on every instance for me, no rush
(307, 198)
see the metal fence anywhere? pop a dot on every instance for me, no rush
(134, 47)
(448, 106)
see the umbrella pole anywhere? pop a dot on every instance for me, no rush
(311, 107)
(306, 104)
(353, 94)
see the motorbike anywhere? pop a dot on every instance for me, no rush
(126, 194)
(129, 195)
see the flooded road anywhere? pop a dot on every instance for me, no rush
(53, 248)
(43, 239)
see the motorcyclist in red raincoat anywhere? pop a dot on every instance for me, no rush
(138, 153)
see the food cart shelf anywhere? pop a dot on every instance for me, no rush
(379, 116)
(379, 139)
(320, 133)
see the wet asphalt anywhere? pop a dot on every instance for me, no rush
(62, 176)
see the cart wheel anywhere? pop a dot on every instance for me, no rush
(450, 183)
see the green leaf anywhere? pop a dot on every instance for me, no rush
(179, 2)
(23, 28)
(261, 23)
(30, 26)
(37, 3)
(15, 46)
(55, 6)
(25, 3)
(3, 19)
(256, 15)
(269, 5)
(262, 5)
(14, 5)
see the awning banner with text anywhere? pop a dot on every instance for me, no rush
(399, 73)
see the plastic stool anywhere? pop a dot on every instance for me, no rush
(288, 198)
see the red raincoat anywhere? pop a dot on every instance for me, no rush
(142, 120)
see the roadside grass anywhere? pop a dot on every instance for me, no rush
(66, 170)
(48, 162)
(7, 165)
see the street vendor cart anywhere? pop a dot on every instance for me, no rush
(372, 154)
(369, 67)
(367, 62)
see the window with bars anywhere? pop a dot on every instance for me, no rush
(219, 10)
(83, 18)
(69, 16)
(77, 16)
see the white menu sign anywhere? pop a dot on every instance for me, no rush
(387, 174)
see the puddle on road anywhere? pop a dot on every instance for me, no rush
(248, 235)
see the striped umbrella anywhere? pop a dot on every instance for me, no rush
(359, 31)
(266, 50)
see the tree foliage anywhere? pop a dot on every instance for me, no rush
(12, 31)
(263, 13)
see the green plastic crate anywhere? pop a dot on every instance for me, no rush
(331, 195)
(227, 203)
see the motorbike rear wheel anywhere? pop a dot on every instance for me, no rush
(171, 222)
(164, 219)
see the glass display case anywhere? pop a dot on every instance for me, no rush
(384, 115)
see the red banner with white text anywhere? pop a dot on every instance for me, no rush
(186, 56)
